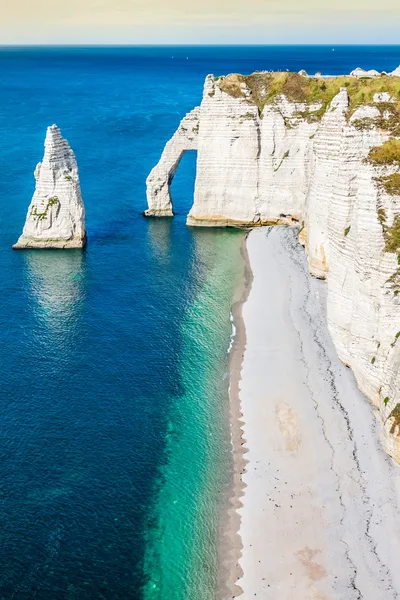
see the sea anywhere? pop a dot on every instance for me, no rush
(115, 447)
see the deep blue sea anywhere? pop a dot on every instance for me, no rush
(114, 436)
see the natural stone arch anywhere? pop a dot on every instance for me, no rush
(160, 179)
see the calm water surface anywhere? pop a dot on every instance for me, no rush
(114, 441)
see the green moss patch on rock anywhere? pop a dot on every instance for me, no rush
(391, 184)
(286, 155)
(364, 124)
(387, 154)
(382, 216)
(392, 236)
(43, 215)
(396, 337)
(388, 119)
(395, 415)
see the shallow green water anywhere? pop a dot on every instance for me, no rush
(195, 478)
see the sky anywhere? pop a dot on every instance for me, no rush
(202, 22)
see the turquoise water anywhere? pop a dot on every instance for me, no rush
(115, 447)
(194, 480)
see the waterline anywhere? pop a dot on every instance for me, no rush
(182, 549)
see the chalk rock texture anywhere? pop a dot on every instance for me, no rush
(264, 161)
(159, 180)
(362, 73)
(56, 215)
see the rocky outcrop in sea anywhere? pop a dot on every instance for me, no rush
(56, 215)
(322, 153)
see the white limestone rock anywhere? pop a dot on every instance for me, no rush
(244, 159)
(383, 97)
(396, 72)
(286, 166)
(227, 172)
(365, 112)
(362, 73)
(326, 150)
(160, 178)
(56, 215)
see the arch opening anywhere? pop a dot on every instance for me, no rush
(160, 179)
(182, 184)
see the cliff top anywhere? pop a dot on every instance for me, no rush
(262, 88)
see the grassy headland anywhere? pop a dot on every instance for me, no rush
(266, 86)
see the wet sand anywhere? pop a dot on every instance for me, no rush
(317, 499)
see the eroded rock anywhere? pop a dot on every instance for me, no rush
(291, 159)
(56, 215)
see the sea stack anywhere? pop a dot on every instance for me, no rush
(56, 215)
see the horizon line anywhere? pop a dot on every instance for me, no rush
(198, 45)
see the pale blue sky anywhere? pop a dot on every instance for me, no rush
(205, 21)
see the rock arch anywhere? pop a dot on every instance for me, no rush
(160, 179)
(294, 164)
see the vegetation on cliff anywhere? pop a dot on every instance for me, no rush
(391, 183)
(266, 86)
(388, 119)
(387, 154)
(43, 215)
(392, 236)
(395, 415)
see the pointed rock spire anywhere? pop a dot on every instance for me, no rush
(56, 215)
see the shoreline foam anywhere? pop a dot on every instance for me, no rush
(231, 545)
(318, 502)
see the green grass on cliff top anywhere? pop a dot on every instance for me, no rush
(266, 87)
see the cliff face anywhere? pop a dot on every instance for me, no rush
(323, 154)
(56, 215)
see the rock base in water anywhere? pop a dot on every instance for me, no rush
(56, 215)
(157, 213)
(25, 243)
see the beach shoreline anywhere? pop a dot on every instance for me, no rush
(231, 545)
(310, 476)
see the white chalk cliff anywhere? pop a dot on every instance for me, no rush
(274, 158)
(56, 215)
(158, 184)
